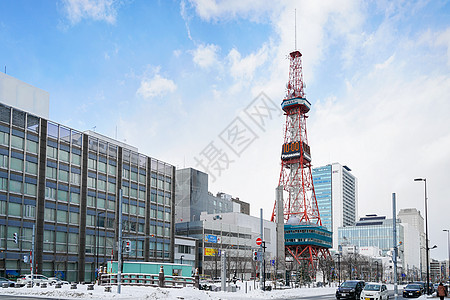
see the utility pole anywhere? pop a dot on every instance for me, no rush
(119, 263)
(32, 254)
(394, 257)
(261, 263)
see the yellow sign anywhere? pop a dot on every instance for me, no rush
(210, 252)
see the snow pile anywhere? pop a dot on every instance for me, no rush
(187, 293)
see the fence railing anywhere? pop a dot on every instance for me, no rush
(138, 279)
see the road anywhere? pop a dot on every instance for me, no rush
(332, 296)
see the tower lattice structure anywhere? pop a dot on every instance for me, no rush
(301, 212)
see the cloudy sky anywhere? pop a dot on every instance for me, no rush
(177, 78)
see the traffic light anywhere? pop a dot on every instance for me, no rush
(127, 246)
(255, 255)
(16, 239)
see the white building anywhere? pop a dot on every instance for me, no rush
(185, 251)
(24, 96)
(415, 254)
(236, 233)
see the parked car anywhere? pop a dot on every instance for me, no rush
(413, 290)
(375, 291)
(350, 289)
(423, 284)
(54, 280)
(37, 278)
(5, 280)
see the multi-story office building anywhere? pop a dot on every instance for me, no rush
(66, 185)
(414, 219)
(372, 231)
(192, 197)
(337, 197)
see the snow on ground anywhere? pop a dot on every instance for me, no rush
(187, 293)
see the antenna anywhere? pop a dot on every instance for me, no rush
(295, 28)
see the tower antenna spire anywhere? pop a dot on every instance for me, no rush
(295, 28)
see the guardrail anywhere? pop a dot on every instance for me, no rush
(139, 279)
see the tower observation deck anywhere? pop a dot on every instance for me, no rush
(305, 237)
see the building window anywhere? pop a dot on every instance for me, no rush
(49, 214)
(74, 218)
(112, 170)
(76, 159)
(31, 167)
(126, 174)
(63, 175)
(29, 211)
(91, 182)
(4, 138)
(61, 242)
(184, 249)
(111, 187)
(74, 197)
(16, 164)
(134, 176)
(3, 161)
(91, 201)
(50, 172)
(63, 195)
(14, 209)
(15, 186)
(102, 167)
(52, 152)
(49, 240)
(61, 216)
(30, 189)
(92, 164)
(101, 185)
(3, 184)
(75, 178)
(63, 155)
(17, 142)
(32, 146)
(50, 193)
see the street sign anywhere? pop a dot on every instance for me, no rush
(258, 241)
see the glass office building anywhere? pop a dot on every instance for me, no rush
(337, 197)
(372, 231)
(66, 183)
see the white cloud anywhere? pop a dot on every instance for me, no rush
(244, 67)
(228, 9)
(157, 86)
(97, 10)
(205, 56)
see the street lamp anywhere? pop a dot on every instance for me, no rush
(339, 266)
(448, 242)
(426, 234)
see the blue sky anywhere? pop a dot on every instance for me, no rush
(170, 76)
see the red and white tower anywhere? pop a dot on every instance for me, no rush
(305, 237)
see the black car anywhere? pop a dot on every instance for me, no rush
(412, 290)
(350, 289)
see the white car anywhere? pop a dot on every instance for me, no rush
(374, 291)
(37, 278)
(54, 280)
